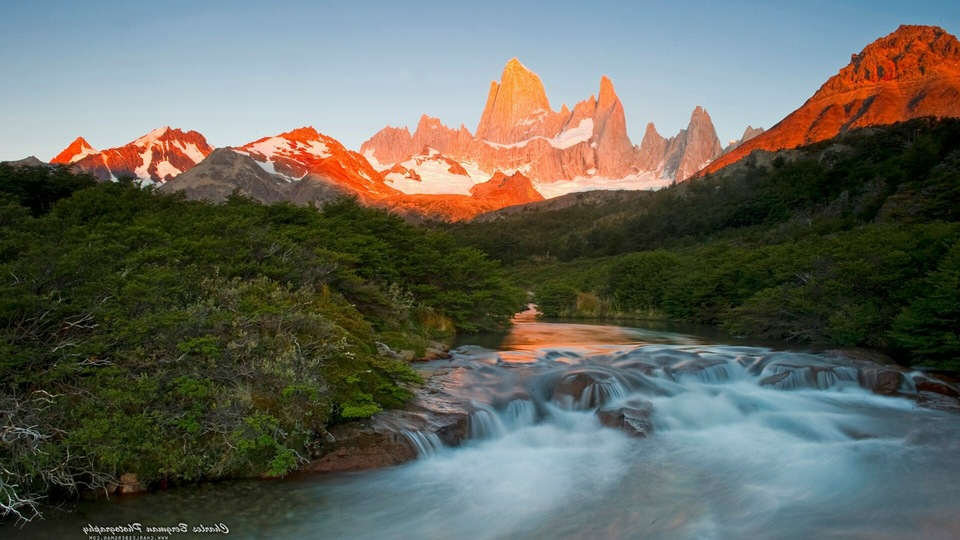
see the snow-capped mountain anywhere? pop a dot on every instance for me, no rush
(76, 151)
(155, 157)
(586, 147)
(304, 154)
(523, 150)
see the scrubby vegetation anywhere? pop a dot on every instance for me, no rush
(852, 241)
(179, 341)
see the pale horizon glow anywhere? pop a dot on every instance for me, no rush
(237, 71)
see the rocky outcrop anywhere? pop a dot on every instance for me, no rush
(634, 420)
(615, 153)
(224, 172)
(390, 145)
(431, 133)
(502, 190)
(652, 152)
(158, 156)
(911, 73)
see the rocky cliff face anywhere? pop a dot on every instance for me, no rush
(911, 73)
(158, 156)
(681, 156)
(390, 145)
(616, 156)
(517, 108)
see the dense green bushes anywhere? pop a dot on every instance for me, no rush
(180, 341)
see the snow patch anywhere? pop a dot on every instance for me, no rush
(319, 149)
(165, 168)
(637, 182)
(143, 170)
(84, 152)
(574, 136)
(280, 146)
(372, 160)
(566, 139)
(435, 177)
(151, 137)
(191, 151)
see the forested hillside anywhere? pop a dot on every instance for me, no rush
(141, 333)
(852, 241)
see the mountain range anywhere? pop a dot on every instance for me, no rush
(522, 149)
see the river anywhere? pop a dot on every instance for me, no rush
(742, 441)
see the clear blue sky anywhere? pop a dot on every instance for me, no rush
(239, 70)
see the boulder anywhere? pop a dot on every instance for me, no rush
(584, 389)
(933, 400)
(931, 385)
(634, 421)
(360, 446)
(436, 353)
(881, 380)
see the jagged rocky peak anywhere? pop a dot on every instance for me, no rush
(909, 53)
(431, 132)
(699, 145)
(652, 149)
(76, 151)
(516, 108)
(748, 133)
(616, 155)
(608, 96)
(684, 154)
(389, 145)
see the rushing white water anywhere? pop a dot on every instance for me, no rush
(747, 443)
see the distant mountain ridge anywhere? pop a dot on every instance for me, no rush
(519, 131)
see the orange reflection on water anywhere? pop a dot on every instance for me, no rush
(528, 337)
